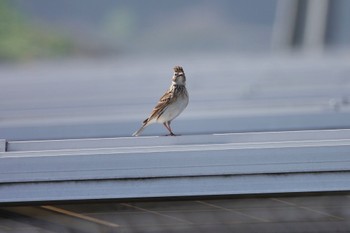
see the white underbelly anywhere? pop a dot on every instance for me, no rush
(173, 110)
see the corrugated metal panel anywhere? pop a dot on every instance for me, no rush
(150, 167)
(3, 145)
(252, 137)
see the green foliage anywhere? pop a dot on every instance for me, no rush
(20, 40)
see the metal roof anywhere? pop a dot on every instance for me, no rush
(284, 214)
(265, 128)
(184, 166)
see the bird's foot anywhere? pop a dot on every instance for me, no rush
(171, 134)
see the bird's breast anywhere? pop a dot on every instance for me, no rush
(175, 108)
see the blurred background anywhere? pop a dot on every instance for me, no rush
(96, 68)
(37, 29)
(100, 66)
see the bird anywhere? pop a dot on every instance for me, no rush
(170, 105)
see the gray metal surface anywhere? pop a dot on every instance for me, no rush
(226, 146)
(110, 98)
(151, 167)
(41, 146)
(3, 147)
(174, 187)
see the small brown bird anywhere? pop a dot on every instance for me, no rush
(171, 104)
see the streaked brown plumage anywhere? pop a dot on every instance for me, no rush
(171, 104)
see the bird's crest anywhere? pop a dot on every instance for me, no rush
(178, 69)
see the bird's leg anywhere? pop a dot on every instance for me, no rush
(171, 132)
(167, 125)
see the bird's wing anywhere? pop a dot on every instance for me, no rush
(163, 103)
(158, 110)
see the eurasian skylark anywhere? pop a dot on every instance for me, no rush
(171, 104)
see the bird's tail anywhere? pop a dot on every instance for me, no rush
(138, 132)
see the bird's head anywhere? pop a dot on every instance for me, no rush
(179, 77)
